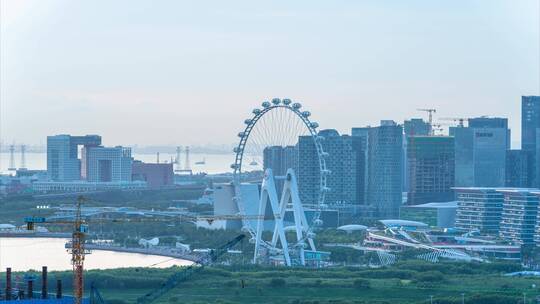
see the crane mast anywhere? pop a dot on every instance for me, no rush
(78, 252)
(430, 118)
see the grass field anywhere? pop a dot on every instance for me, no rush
(411, 282)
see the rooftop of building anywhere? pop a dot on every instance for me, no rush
(395, 223)
(328, 132)
(437, 205)
(498, 189)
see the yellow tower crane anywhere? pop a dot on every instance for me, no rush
(80, 229)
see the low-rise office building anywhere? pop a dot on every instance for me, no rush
(442, 215)
(157, 176)
(519, 216)
(479, 209)
(83, 186)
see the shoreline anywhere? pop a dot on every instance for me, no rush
(164, 252)
(54, 235)
(145, 251)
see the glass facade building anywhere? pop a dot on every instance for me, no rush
(519, 216)
(480, 155)
(341, 161)
(479, 209)
(360, 150)
(519, 169)
(63, 163)
(280, 159)
(104, 164)
(431, 169)
(416, 127)
(530, 121)
(385, 174)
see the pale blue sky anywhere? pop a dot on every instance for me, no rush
(189, 72)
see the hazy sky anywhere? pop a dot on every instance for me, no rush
(190, 72)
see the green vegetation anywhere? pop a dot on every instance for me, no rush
(411, 282)
(14, 209)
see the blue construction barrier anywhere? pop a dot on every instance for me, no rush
(63, 300)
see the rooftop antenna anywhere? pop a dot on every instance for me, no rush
(23, 157)
(12, 158)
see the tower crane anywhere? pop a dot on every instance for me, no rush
(78, 250)
(80, 229)
(430, 117)
(459, 120)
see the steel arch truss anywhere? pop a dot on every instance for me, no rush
(306, 228)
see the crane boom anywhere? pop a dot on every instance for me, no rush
(187, 272)
(78, 250)
(430, 117)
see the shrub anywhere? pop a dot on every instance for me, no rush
(231, 283)
(429, 276)
(389, 274)
(277, 282)
(116, 301)
(361, 284)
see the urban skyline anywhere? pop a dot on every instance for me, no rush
(373, 151)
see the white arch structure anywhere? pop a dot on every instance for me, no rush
(303, 229)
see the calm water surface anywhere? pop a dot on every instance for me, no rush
(23, 254)
(214, 163)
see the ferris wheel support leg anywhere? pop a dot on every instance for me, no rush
(285, 196)
(262, 210)
(268, 193)
(301, 212)
(291, 188)
(270, 187)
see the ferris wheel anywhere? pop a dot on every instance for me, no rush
(280, 124)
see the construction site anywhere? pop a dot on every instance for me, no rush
(21, 289)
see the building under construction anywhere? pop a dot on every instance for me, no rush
(431, 169)
(23, 290)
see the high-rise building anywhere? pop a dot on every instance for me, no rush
(519, 169)
(104, 164)
(431, 169)
(360, 149)
(385, 175)
(416, 127)
(480, 154)
(479, 209)
(308, 174)
(412, 127)
(63, 163)
(488, 122)
(280, 159)
(519, 216)
(530, 121)
(530, 134)
(340, 161)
